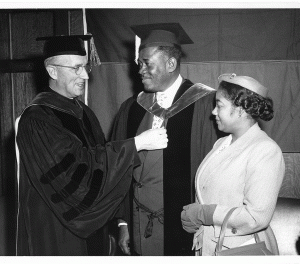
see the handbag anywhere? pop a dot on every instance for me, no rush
(257, 249)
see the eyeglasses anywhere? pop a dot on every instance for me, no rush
(78, 69)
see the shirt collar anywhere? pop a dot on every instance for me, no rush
(171, 92)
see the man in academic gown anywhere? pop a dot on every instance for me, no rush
(70, 181)
(163, 183)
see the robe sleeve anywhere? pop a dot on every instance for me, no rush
(204, 131)
(83, 186)
(119, 132)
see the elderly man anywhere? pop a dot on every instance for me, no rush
(163, 183)
(71, 181)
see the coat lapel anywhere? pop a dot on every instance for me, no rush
(214, 160)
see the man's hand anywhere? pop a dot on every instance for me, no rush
(152, 139)
(124, 239)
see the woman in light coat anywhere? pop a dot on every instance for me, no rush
(244, 170)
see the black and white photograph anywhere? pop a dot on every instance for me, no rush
(163, 130)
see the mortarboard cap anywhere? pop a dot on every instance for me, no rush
(246, 82)
(161, 34)
(69, 45)
(64, 45)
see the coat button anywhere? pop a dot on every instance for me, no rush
(139, 185)
(233, 230)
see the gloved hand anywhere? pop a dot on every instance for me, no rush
(195, 215)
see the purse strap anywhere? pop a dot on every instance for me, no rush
(223, 230)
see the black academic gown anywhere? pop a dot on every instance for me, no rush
(71, 182)
(191, 133)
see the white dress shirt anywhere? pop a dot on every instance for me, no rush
(169, 94)
(168, 97)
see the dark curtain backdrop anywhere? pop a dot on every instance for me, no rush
(261, 43)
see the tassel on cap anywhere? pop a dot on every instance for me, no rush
(137, 46)
(94, 58)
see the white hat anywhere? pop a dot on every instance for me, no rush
(246, 82)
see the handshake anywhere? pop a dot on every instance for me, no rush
(152, 139)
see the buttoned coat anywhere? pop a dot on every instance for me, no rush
(246, 174)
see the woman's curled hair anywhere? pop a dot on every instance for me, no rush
(255, 105)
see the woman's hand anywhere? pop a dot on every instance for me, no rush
(195, 215)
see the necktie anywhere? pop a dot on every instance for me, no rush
(157, 122)
(161, 99)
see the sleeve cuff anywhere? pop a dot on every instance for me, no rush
(122, 224)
